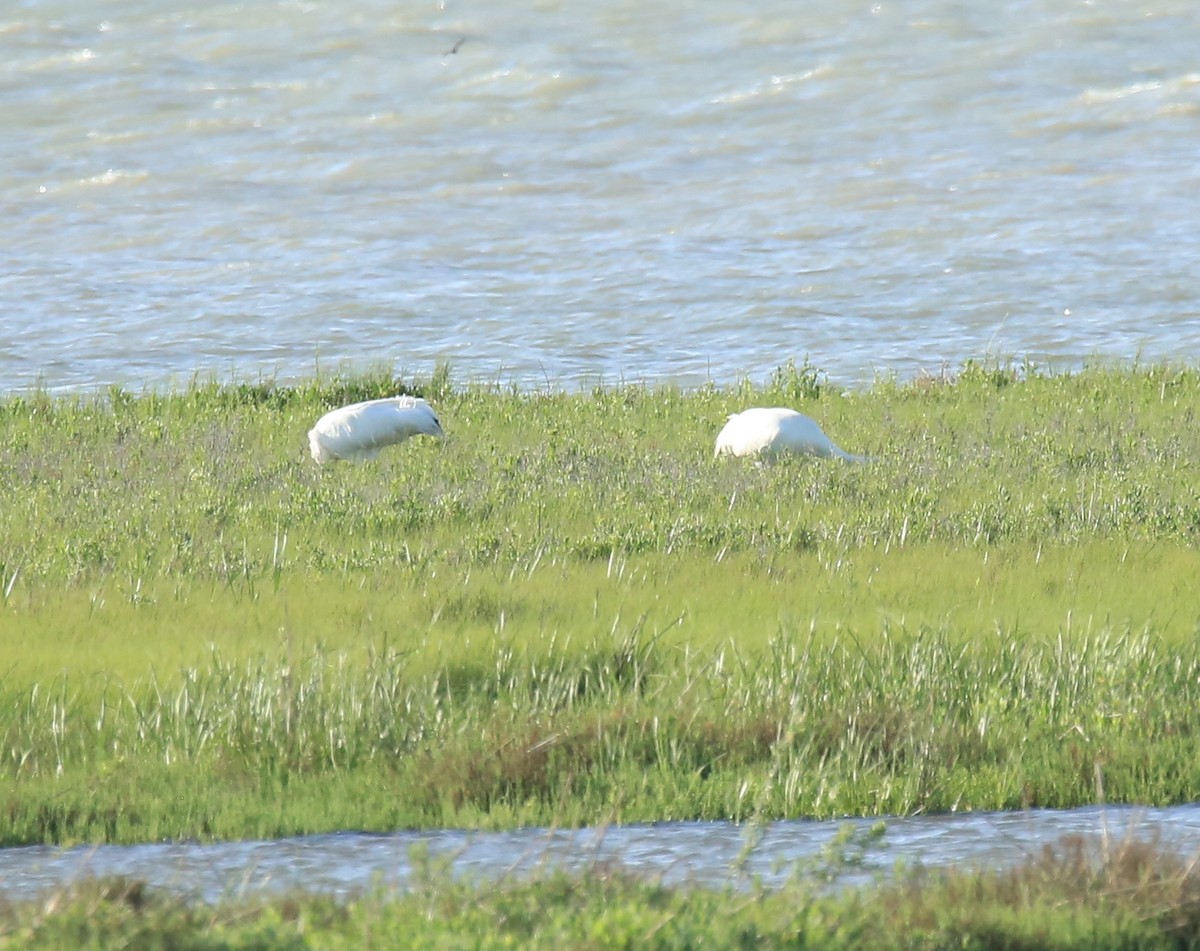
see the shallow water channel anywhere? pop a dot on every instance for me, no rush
(710, 853)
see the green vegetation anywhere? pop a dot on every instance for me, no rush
(1076, 895)
(570, 612)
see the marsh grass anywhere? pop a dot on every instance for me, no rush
(626, 728)
(569, 611)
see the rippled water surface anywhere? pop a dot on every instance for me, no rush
(658, 191)
(712, 853)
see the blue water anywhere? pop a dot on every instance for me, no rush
(717, 854)
(606, 191)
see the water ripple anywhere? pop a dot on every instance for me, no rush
(660, 193)
(718, 854)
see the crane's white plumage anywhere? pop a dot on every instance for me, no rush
(359, 431)
(770, 432)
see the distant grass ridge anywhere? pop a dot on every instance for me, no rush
(205, 482)
(569, 611)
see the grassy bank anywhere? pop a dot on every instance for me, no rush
(1076, 895)
(569, 611)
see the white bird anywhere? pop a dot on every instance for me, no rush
(359, 431)
(770, 432)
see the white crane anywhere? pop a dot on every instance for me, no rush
(770, 432)
(359, 431)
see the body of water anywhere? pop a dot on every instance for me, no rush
(716, 854)
(595, 190)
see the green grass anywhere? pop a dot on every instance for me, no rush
(570, 612)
